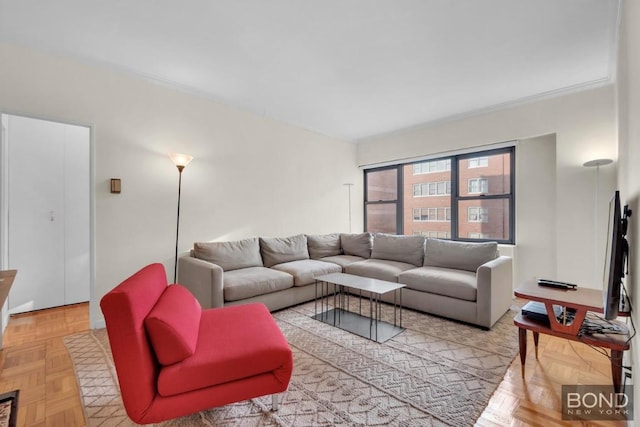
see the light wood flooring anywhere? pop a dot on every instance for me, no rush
(34, 360)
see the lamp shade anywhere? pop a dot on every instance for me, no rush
(597, 162)
(180, 160)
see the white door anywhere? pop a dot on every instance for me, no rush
(48, 208)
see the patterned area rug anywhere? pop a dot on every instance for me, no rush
(435, 373)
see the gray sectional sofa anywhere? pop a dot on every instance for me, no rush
(469, 282)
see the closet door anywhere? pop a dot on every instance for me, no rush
(36, 213)
(77, 214)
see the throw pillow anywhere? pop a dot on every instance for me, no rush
(409, 249)
(459, 255)
(357, 244)
(276, 250)
(230, 255)
(321, 246)
(173, 325)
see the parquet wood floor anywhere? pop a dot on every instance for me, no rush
(34, 360)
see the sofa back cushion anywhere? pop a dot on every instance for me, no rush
(276, 250)
(321, 246)
(409, 249)
(357, 244)
(173, 325)
(230, 255)
(459, 255)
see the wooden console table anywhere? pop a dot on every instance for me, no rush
(581, 300)
(6, 280)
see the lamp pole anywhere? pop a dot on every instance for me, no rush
(590, 164)
(349, 185)
(175, 264)
(181, 161)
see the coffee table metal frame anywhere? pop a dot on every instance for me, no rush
(370, 327)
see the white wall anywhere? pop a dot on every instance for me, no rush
(629, 145)
(584, 127)
(251, 175)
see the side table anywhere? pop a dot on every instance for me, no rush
(581, 300)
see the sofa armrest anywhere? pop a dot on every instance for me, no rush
(203, 279)
(495, 290)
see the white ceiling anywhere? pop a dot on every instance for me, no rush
(350, 69)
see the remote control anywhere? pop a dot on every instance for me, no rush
(556, 284)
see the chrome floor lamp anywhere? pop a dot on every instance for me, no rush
(591, 164)
(181, 161)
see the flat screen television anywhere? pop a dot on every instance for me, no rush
(614, 258)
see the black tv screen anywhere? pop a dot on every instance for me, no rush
(614, 260)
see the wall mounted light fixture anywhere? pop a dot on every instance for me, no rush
(115, 186)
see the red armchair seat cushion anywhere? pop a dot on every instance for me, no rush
(173, 325)
(233, 342)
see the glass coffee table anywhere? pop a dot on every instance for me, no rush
(371, 326)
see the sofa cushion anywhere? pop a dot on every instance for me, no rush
(276, 250)
(409, 249)
(304, 271)
(173, 325)
(459, 255)
(234, 342)
(459, 284)
(356, 244)
(253, 281)
(378, 269)
(230, 255)
(342, 260)
(321, 246)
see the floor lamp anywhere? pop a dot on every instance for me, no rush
(349, 185)
(596, 164)
(181, 161)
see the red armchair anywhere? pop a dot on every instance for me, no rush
(172, 358)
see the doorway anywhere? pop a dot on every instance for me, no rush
(46, 208)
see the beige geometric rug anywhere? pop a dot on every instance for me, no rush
(436, 372)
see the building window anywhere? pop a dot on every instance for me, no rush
(478, 185)
(478, 162)
(466, 197)
(477, 214)
(473, 235)
(433, 234)
(438, 188)
(432, 214)
(432, 166)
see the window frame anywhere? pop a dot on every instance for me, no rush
(399, 196)
(454, 193)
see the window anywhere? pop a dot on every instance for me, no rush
(432, 166)
(439, 188)
(478, 185)
(434, 234)
(382, 204)
(432, 214)
(467, 197)
(473, 235)
(478, 162)
(477, 214)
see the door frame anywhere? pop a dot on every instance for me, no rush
(4, 201)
